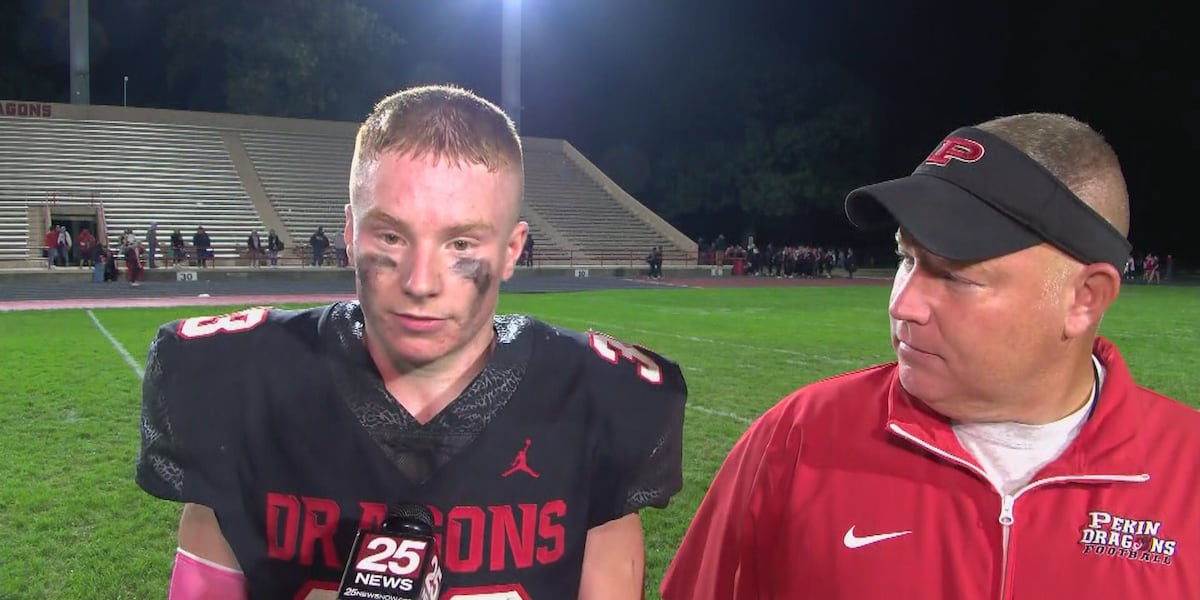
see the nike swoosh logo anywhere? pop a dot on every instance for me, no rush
(852, 541)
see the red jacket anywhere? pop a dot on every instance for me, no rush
(851, 489)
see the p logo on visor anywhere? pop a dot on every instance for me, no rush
(956, 148)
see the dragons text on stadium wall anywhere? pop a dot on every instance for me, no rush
(11, 108)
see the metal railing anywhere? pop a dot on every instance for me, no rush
(301, 255)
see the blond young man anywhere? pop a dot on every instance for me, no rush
(286, 432)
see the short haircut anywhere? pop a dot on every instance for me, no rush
(1075, 154)
(444, 122)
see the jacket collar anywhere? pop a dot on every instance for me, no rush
(1101, 448)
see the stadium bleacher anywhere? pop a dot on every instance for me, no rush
(571, 194)
(305, 177)
(142, 172)
(237, 173)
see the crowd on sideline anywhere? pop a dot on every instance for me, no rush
(776, 261)
(134, 254)
(1149, 268)
(816, 261)
(140, 253)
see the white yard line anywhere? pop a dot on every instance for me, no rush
(719, 413)
(133, 364)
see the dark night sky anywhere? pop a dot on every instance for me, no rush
(591, 66)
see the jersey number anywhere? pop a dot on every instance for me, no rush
(243, 320)
(613, 351)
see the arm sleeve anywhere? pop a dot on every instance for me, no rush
(193, 578)
(727, 552)
(638, 435)
(188, 442)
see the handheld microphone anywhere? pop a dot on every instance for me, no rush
(398, 561)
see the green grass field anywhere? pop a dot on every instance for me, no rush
(74, 525)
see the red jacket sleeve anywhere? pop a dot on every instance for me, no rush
(727, 552)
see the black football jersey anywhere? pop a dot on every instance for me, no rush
(280, 422)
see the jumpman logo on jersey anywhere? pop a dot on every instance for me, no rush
(520, 463)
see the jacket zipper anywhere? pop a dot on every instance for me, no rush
(1006, 521)
(1007, 501)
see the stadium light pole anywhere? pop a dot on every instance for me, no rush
(81, 66)
(510, 60)
(125, 92)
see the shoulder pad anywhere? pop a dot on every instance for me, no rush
(628, 364)
(637, 398)
(199, 327)
(193, 400)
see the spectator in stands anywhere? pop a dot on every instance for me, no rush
(98, 264)
(719, 249)
(319, 244)
(527, 251)
(1130, 268)
(274, 246)
(87, 247)
(152, 244)
(50, 240)
(133, 263)
(64, 246)
(128, 239)
(203, 246)
(253, 248)
(654, 259)
(110, 264)
(339, 249)
(178, 248)
(1150, 267)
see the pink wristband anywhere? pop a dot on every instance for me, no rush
(194, 578)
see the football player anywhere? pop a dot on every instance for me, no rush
(285, 432)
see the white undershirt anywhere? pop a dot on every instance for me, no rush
(1012, 453)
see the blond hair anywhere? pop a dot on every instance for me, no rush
(443, 122)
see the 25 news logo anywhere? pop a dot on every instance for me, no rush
(392, 565)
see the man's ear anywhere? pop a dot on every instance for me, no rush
(1096, 288)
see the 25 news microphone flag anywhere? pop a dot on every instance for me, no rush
(398, 561)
